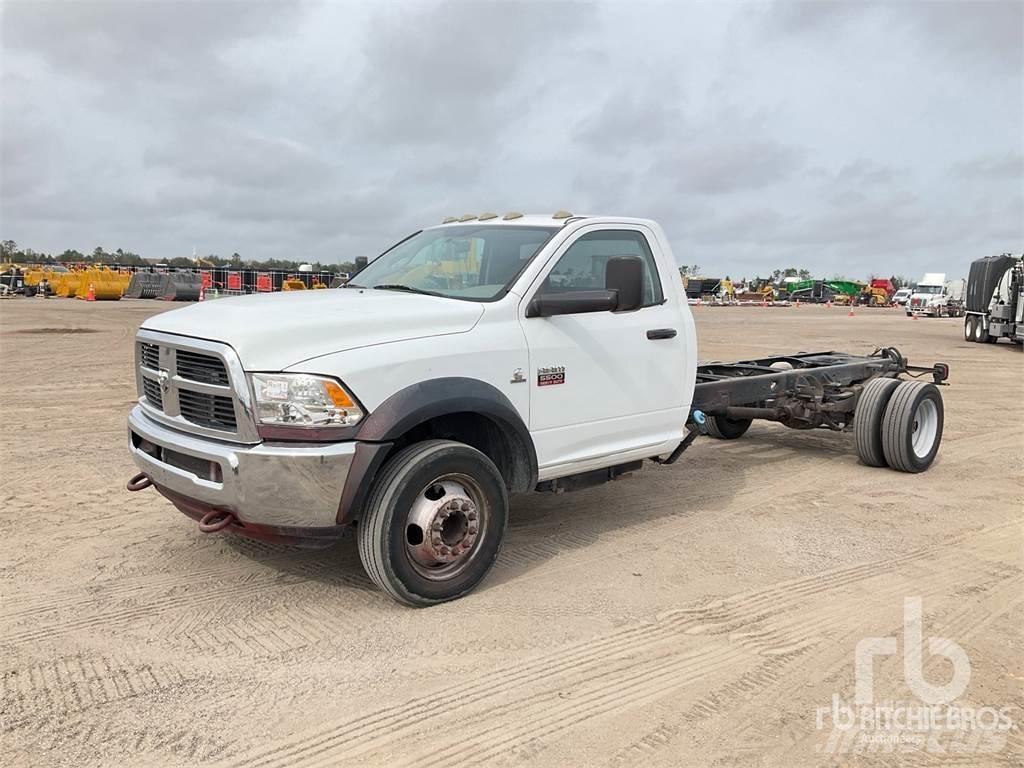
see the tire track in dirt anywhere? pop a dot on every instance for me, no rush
(75, 683)
(82, 741)
(357, 735)
(790, 637)
(739, 701)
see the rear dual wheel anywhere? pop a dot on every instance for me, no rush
(433, 523)
(726, 429)
(899, 423)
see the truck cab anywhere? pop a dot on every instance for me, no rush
(480, 358)
(935, 297)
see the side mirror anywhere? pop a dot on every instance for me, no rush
(625, 275)
(573, 303)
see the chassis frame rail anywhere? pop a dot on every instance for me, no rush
(804, 391)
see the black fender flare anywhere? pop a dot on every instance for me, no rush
(419, 403)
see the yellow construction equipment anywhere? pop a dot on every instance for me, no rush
(293, 284)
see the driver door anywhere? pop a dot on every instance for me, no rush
(604, 385)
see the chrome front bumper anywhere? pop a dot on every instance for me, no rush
(272, 485)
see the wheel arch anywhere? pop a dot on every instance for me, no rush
(454, 408)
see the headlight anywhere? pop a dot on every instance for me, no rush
(303, 400)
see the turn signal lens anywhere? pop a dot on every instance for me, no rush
(338, 395)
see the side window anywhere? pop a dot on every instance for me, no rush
(582, 267)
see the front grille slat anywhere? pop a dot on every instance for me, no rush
(149, 354)
(214, 411)
(203, 368)
(151, 389)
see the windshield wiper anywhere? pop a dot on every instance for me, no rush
(407, 288)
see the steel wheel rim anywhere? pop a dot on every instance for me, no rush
(445, 527)
(924, 427)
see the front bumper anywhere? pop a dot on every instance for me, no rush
(277, 486)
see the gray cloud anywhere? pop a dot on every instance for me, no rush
(1008, 166)
(843, 137)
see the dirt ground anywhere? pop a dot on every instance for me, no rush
(699, 614)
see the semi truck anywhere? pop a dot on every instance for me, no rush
(995, 299)
(414, 402)
(935, 297)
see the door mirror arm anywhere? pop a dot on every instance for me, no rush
(573, 303)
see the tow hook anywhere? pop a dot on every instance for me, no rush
(216, 520)
(140, 482)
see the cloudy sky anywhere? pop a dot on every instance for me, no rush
(847, 138)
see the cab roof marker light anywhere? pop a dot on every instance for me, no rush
(562, 215)
(467, 217)
(512, 215)
(486, 216)
(449, 219)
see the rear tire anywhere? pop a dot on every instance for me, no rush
(433, 522)
(980, 334)
(726, 429)
(969, 328)
(867, 420)
(912, 426)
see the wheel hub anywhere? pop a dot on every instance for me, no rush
(443, 525)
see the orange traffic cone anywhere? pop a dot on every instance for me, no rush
(798, 303)
(202, 293)
(91, 296)
(851, 313)
(828, 304)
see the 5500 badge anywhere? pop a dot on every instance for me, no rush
(551, 375)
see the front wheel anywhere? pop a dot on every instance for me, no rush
(434, 522)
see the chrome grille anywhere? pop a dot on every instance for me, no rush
(194, 385)
(198, 367)
(151, 389)
(214, 411)
(149, 355)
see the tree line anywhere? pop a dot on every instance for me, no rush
(778, 275)
(10, 251)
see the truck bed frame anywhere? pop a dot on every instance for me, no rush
(803, 391)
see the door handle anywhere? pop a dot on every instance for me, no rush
(661, 333)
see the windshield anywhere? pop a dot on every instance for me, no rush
(472, 262)
(928, 289)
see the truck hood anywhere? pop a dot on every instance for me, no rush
(273, 331)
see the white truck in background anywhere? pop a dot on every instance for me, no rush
(935, 297)
(482, 358)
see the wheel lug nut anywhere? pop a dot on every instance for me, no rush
(471, 515)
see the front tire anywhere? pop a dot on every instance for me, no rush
(912, 426)
(867, 420)
(433, 523)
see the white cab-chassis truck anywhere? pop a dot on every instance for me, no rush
(486, 357)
